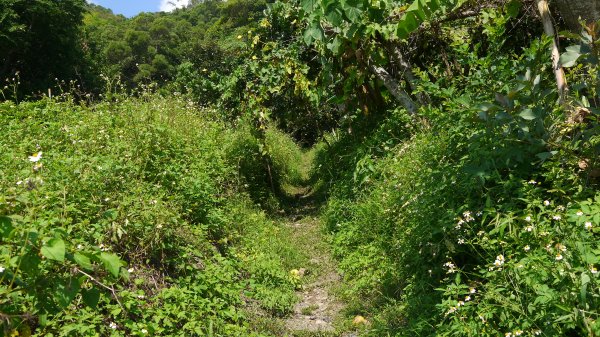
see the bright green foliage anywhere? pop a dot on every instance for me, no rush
(481, 225)
(131, 215)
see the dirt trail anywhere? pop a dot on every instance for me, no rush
(318, 307)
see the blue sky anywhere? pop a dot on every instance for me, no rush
(130, 8)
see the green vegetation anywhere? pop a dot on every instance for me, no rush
(167, 174)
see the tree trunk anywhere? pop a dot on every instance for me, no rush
(400, 94)
(573, 10)
(406, 69)
(559, 73)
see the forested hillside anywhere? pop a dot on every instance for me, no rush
(300, 168)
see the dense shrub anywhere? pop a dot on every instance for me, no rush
(127, 219)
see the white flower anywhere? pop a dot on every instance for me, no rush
(508, 334)
(19, 182)
(34, 158)
(141, 297)
(556, 217)
(560, 208)
(537, 332)
(532, 182)
(518, 332)
(478, 213)
(529, 228)
(580, 213)
(587, 225)
(79, 247)
(562, 248)
(467, 299)
(528, 218)
(461, 241)
(159, 226)
(460, 303)
(144, 331)
(472, 290)
(467, 214)
(113, 325)
(558, 257)
(451, 267)
(499, 260)
(526, 248)
(546, 203)
(2, 269)
(106, 199)
(130, 270)
(593, 270)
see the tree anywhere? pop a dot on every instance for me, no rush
(573, 10)
(40, 40)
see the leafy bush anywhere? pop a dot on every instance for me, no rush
(125, 219)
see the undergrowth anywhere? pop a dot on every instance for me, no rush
(135, 217)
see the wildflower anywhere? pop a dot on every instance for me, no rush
(460, 303)
(526, 248)
(141, 297)
(472, 290)
(546, 203)
(37, 166)
(130, 270)
(480, 233)
(144, 331)
(528, 218)
(561, 208)
(518, 332)
(558, 257)
(79, 247)
(461, 241)
(556, 217)
(19, 182)
(2, 269)
(34, 158)
(508, 334)
(593, 270)
(537, 332)
(529, 228)
(106, 199)
(159, 226)
(499, 260)
(451, 310)
(113, 325)
(482, 318)
(479, 213)
(562, 248)
(153, 202)
(532, 182)
(466, 214)
(580, 213)
(467, 299)
(239, 37)
(451, 267)
(587, 225)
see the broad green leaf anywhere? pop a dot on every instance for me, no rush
(528, 114)
(513, 8)
(66, 290)
(91, 297)
(6, 226)
(335, 17)
(569, 58)
(112, 263)
(54, 250)
(83, 261)
(308, 5)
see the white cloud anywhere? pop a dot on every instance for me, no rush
(170, 5)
